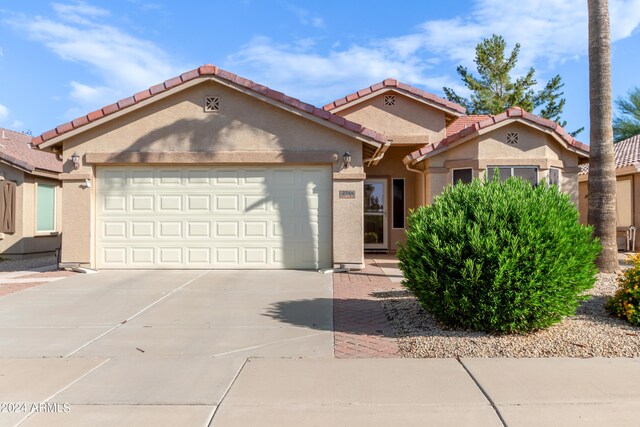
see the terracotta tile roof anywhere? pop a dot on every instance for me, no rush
(516, 113)
(394, 84)
(16, 149)
(464, 122)
(626, 153)
(208, 70)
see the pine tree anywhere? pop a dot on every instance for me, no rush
(627, 124)
(494, 91)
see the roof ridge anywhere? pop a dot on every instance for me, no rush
(394, 83)
(203, 71)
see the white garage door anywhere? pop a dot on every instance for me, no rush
(213, 217)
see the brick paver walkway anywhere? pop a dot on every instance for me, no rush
(360, 324)
(11, 282)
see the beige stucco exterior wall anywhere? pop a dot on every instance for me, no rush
(390, 167)
(623, 203)
(26, 241)
(407, 122)
(583, 205)
(245, 125)
(534, 148)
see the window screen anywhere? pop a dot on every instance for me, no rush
(554, 176)
(398, 203)
(528, 173)
(462, 175)
(46, 208)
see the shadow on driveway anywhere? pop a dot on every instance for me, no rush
(354, 316)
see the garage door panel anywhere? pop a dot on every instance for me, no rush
(142, 255)
(226, 229)
(114, 229)
(114, 203)
(256, 204)
(170, 203)
(198, 229)
(142, 203)
(169, 177)
(227, 203)
(227, 256)
(255, 229)
(142, 178)
(198, 203)
(199, 256)
(169, 229)
(223, 217)
(142, 229)
(229, 178)
(198, 177)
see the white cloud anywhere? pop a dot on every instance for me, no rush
(122, 64)
(550, 32)
(319, 78)
(89, 95)
(17, 124)
(79, 12)
(4, 112)
(305, 17)
(5, 119)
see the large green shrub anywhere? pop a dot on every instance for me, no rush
(499, 256)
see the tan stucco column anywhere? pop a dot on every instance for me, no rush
(348, 220)
(77, 221)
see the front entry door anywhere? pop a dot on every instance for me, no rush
(375, 214)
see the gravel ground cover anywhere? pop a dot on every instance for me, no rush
(27, 263)
(591, 333)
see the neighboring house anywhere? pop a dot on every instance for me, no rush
(627, 160)
(211, 170)
(30, 220)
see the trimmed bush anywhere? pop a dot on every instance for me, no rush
(626, 301)
(499, 256)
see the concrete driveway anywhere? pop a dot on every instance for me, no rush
(152, 347)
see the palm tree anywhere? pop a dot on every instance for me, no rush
(602, 180)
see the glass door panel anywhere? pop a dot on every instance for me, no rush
(375, 214)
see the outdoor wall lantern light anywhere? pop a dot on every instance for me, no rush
(346, 159)
(75, 158)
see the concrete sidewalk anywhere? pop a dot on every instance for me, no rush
(318, 392)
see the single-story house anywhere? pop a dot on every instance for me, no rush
(433, 144)
(211, 170)
(30, 195)
(627, 163)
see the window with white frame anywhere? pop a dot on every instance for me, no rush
(464, 176)
(45, 208)
(528, 173)
(398, 206)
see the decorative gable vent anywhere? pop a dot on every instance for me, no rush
(211, 104)
(512, 138)
(389, 100)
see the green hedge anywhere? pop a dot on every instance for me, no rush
(499, 256)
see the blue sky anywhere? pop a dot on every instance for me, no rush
(60, 60)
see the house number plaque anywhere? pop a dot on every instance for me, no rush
(347, 194)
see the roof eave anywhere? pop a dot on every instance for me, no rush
(374, 140)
